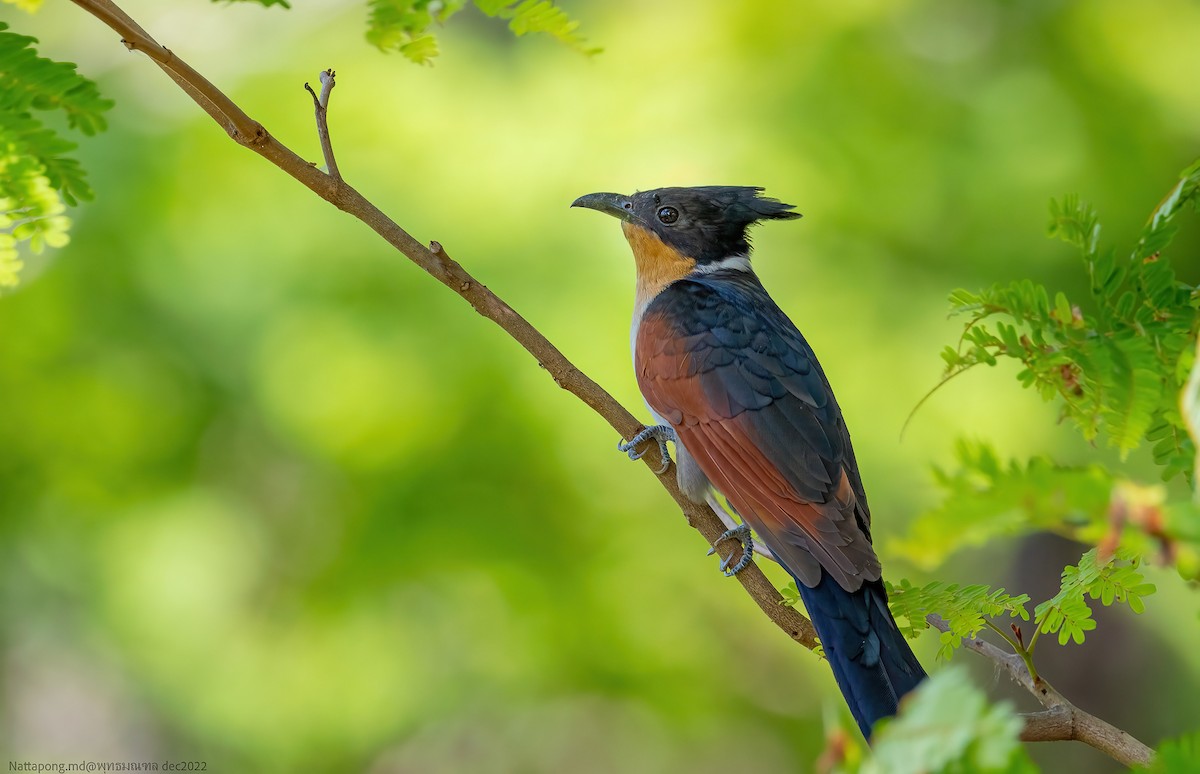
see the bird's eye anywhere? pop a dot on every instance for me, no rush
(668, 215)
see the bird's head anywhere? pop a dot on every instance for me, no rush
(704, 225)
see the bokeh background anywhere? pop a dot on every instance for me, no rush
(273, 499)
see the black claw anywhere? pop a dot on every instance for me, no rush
(747, 555)
(742, 533)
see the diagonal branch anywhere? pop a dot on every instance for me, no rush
(437, 263)
(221, 108)
(1061, 720)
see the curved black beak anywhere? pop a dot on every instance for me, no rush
(617, 205)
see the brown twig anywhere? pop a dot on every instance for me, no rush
(221, 108)
(321, 106)
(1061, 721)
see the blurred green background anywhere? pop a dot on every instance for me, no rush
(273, 499)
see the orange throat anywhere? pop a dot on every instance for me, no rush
(658, 265)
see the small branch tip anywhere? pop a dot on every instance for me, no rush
(321, 109)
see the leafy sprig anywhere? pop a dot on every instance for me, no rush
(37, 177)
(403, 25)
(965, 609)
(1116, 362)
(1177, 756)
(1068, 613)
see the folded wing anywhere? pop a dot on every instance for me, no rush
(750, 403)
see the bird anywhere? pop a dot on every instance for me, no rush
(731, 381)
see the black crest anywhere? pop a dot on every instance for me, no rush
(707, 223)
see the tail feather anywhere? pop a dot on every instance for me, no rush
(871, 660)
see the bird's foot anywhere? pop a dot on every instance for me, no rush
(661, 434)
(742, 534)
(731, 524)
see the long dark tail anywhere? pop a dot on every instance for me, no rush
(871, 660)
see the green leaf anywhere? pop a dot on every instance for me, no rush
(1062, 308)
(1069, 615)
(400, 25)
(1134, 391)
(544, 16)
(420, 49)
(1178, 756)
(404, 25)
(947, 724)
(1185, 191)
(963, 300)
(37, 177)
(33, 82)
(1076, 222)
(962, 608)
(790, 594)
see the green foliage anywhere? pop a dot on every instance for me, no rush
(1116, 362)
(947, 725)
(37, 178)
(1116, 580)
(1177, 756)
(985, 498)
(403, 25)
(964, 609)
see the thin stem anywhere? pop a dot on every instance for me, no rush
(1010, 640)
(1019, 649)
(945, 380)
(1037, 633)
(321, 108)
